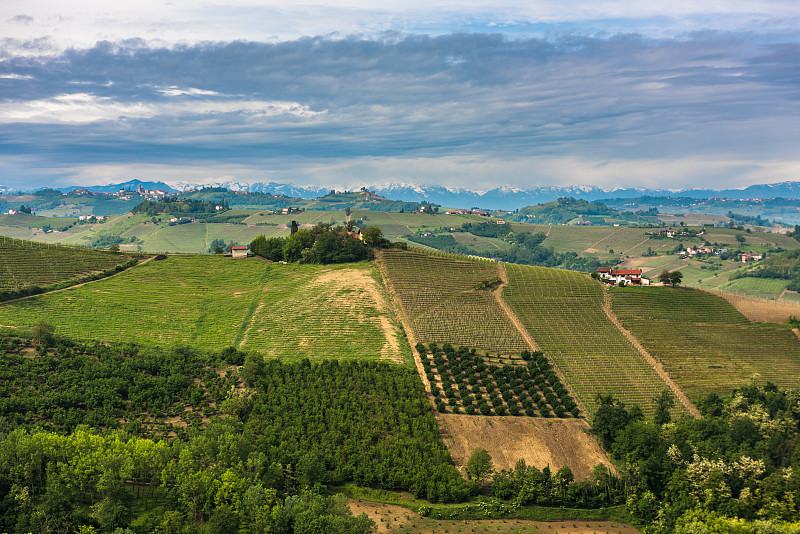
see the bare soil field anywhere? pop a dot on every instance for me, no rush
(538, 441)
(761, 310)
(397, 519)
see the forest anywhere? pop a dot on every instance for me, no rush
(83, 442)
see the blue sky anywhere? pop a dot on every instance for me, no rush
(669, 95)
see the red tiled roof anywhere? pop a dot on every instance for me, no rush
(626, 272)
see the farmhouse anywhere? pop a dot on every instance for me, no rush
(622, 276)
(13, 211)
(751, 257)
(238, 251)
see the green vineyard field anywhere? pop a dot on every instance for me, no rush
(26, 263)
(563, 311)
(704, 343)
(439, 295)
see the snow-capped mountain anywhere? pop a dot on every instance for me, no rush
(504, 197)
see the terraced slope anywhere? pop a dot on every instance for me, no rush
(212, 302)
(704, 343)
(440, 296)
(26, 263)
(563, 311)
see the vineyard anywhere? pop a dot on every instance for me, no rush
(704, 343)
(213, 302)
(563, 311)
(482, 385)
(25, 263)
(446, 300)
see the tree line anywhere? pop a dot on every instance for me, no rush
(323, 243)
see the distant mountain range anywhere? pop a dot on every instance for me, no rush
(513, 198)
(505, 197)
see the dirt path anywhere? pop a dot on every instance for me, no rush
(401, 224)
(490, 242)
(547, 234)
(601, 240)
(501, 271)
(636, 245)
(77, 285)
(648, 358)
(796, 332)
(407, 326)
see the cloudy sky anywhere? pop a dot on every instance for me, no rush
(686, 93)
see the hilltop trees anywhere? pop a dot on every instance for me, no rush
(322, 244)
(673, 278)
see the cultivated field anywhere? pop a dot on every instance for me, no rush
(563, 311)
(25, 263)
(213, 302)
(394, 519)
(440, 298)
(704, 343)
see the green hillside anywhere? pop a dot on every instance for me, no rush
(213, 302)
(704, 343)
(24, 264)
(576, 211)
(563, 311)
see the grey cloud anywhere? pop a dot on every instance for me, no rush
(482, 95)
(22, 19)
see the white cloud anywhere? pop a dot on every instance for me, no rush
(86, 108)
(84, 22)
(15, 77)
(174, 90)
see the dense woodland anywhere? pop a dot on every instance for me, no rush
(73, 451)
(735, 470)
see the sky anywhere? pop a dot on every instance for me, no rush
(679, 94)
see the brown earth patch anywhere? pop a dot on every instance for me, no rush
(761, 310)
(392, 518)
(538, 441)
(361, 280)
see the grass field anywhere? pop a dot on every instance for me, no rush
(563, 311)
(212, 302)
(25, 263)
(704, 343)
(762, 288)
(439, 295)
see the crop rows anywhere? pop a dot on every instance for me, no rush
(439, 294)
(704, 343)
(464, 380)
(27, 263)
(563, 312)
